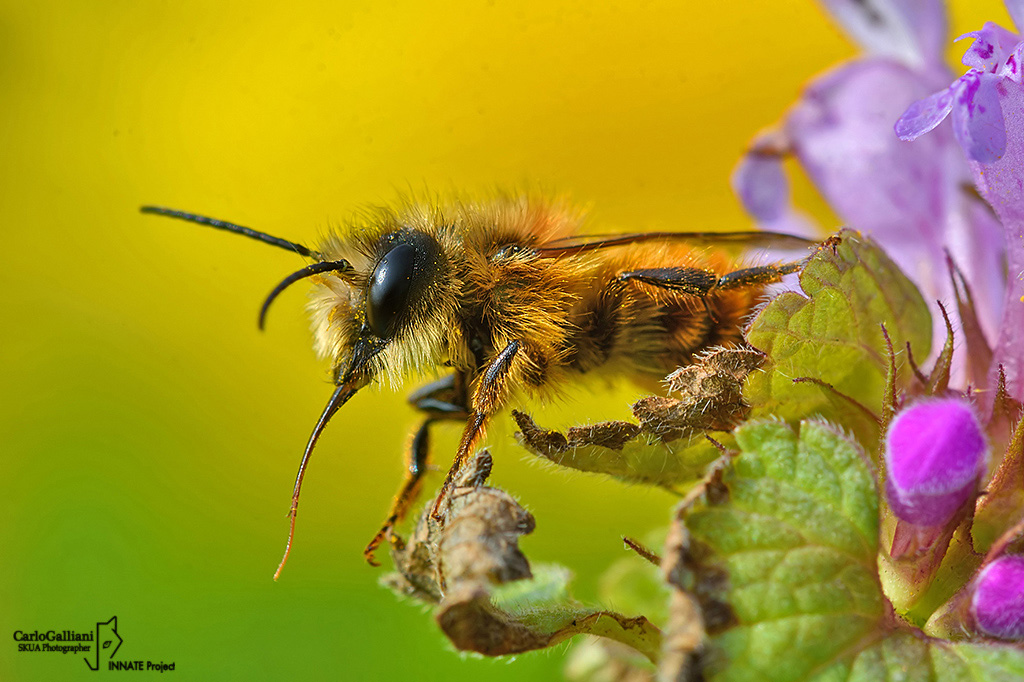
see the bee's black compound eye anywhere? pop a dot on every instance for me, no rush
(389, 289)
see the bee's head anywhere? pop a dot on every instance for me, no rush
(385, 314)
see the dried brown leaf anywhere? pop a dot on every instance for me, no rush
(685, 635)
(474, 623)
(460, 562)
(480, 543)
(475, 542)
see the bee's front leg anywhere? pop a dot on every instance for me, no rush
(442, 400)
(487, 399)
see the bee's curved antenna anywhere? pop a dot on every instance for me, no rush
(342, 267)
(231, 227)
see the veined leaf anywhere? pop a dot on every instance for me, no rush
(782, 556)
(832, 334)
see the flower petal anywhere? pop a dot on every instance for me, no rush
(924, 114)
(1011, 68)
(841, 131)
(978, 116)
(912, 31)
(761, 185)
(1001, 183)
(793, 221)
(908, 197)
(991, 46)
(1016, 10)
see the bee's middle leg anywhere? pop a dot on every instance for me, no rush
(440, 400)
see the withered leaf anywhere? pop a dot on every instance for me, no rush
(488, 599)
(708, 379)
(666, 447)
(474, 622)
(612, 435)
(480, 543)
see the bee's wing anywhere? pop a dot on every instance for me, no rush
(582, 243)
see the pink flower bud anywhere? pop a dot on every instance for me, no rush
(998, 600)
(934, 453)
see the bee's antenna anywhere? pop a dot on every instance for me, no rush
(338, 398)
(231, 227)
(342, 267)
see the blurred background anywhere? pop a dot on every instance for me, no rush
(150, 435)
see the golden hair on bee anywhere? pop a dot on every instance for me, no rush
(511, 297)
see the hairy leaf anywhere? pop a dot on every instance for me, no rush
(780, 551)
(832, 335)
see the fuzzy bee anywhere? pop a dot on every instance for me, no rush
(512, 298)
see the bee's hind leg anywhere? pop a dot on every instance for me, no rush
(769, 274)
(762, 274)
(440, 400)
(700, 282)
(704, 283)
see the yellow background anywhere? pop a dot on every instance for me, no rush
(149, 433)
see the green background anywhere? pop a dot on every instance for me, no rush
(149, 434)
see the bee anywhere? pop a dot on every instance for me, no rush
(512, 298)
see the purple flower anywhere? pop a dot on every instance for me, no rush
(973, 99)
(986, 105)
(934, 454)
(908, 197)
(761, 184)
(998, 600)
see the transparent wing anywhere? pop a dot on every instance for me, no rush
(583, 243)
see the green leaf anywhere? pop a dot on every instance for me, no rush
(782, 556)
(904, 656)
(832, 334)
(797, 538)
